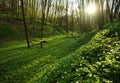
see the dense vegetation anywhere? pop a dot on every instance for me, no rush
(94, 62)
(91, 58)
(68, 41)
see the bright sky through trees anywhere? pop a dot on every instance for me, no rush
(91, 9)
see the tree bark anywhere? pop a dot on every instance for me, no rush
(25, 26)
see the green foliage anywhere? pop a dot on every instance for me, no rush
(8, 32)
(35, 29)
(5, 16)
(64, 60)
(48, 29)
(21, 65)
(11, 27)
(113, 29)
(94, 62)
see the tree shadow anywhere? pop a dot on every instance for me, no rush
(83, 40)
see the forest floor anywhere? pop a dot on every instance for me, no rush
(91, 57)
(19, 64)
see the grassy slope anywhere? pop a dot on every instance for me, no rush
(95, 62)
(62, 59)
(21, 65)
(11, 28)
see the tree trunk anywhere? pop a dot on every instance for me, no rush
(67, 18)
(25, 26)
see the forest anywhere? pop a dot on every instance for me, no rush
(59, 41)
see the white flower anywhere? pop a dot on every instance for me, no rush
(62, 77)
(100, 69)
(90, 75)
(100, 58)
(65, 72)
(114, 71)
(111, 50)
(82, 57)
(103, 65)
(116, 44)
(103, 51)
(76, 70)
(77, 81)
(87, 57)
(109, 46)
(110, 61)
(98, 54)
(117, 57)
(80, 64)
(109, 53)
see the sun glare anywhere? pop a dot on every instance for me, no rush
(91, 9)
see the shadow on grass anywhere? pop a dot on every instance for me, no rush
(35, 58)
(14, 59)
(83, 40)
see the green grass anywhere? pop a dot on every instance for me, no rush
(8, 32)
(11, 28)
(94, 62)
(90, 58)
(20, 65)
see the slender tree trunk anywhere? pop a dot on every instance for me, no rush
(3, 5)
(101, 15)
(72, 28)
(117, 9)
(108, 9)
(111, 12)
(44, 4)
(25, 26)
(83, 22)
(67, 18)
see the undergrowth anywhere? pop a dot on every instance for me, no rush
(91, 59)
(96, 62)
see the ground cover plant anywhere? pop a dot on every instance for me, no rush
(95, 62)
(59, 41)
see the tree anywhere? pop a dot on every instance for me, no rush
(3, 4)
(66, 18)
(43, 6)
(25, 26)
